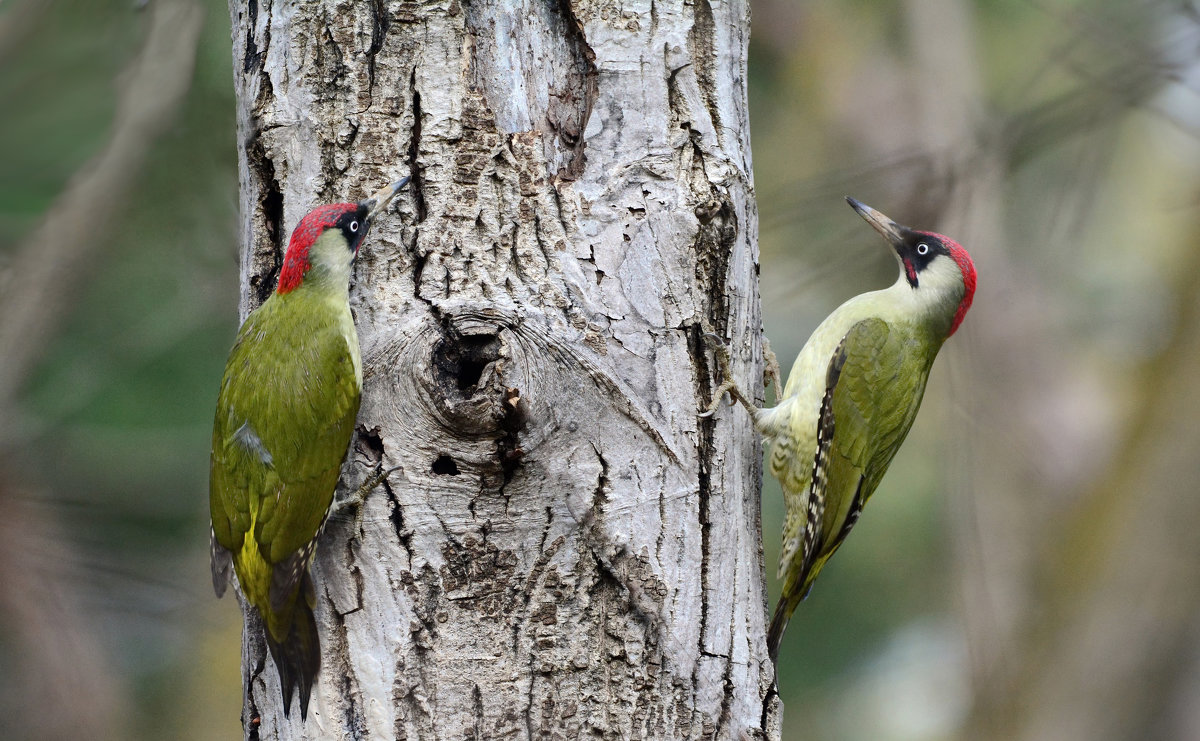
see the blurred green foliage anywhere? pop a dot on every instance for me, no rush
(1083, 116)
(117, 417)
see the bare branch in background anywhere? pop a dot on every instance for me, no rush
(47, 268)
(67, 687)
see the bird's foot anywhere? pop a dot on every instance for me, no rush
(729, 386)
(355, 499)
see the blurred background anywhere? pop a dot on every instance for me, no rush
(1029, 569)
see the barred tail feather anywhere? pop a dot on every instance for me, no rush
(779, 622)
(298, 657)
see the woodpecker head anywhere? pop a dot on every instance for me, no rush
(326, 240)
(929, 262)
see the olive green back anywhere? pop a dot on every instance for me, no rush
(284, 419)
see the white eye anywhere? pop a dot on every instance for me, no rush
(922, 248)
(354, 228)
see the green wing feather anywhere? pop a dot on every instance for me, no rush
(874, 386)
(285, 416)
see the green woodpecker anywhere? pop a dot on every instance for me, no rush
(851, 398)
(285, 416)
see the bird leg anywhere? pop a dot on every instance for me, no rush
(356, 499)
(729, 386)
(771, 374)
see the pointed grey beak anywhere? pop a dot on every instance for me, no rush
(378, 202)
(890, 230)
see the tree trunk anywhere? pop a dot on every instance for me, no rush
(567, 551)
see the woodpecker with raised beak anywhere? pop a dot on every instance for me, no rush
(851, 398)
(285, 417)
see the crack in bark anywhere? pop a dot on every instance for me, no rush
(662, 530)
(713, 246)
(477, 701)
(418, 271)
(585, 57)
(270, 202)
(331, 61)
(558, 210)
(509, 453)
(356, 575)
(715, 241)
(772, 693)
(254, 719)
(630, 586)
(529, 698)
(417, 184)
(396, 515)
(675, 101)
(380, 22)
(599, 495)
(701, 44)
(698, 351)
(354, 720)
(251, 57)
(724, 716)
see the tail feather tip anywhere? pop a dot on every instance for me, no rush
(298, 658)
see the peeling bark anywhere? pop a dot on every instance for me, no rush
(567, 550)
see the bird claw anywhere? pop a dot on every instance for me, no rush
(711, 409)
(728, 386)
(356, 499)
(714, 339)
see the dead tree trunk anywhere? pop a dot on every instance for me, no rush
(567, 551)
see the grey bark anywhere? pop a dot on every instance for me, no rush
(567, 550)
